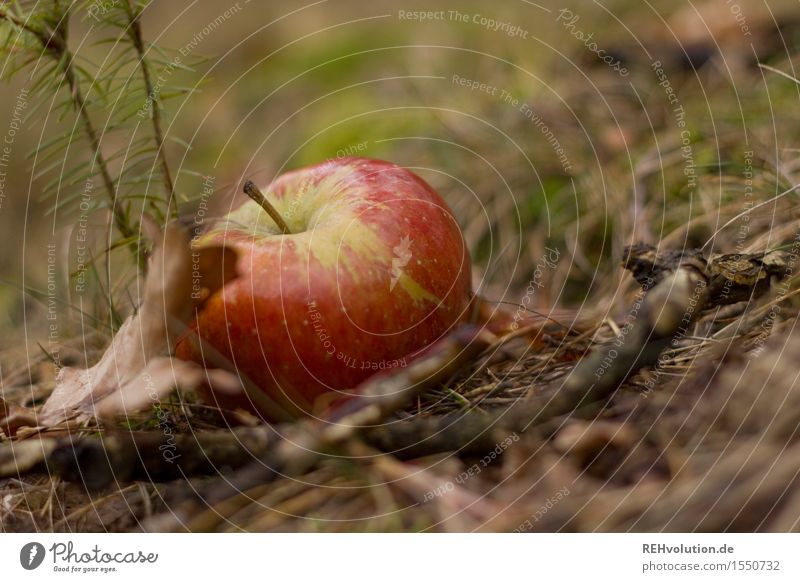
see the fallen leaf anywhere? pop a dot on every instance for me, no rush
(13, 416)
(136, 369)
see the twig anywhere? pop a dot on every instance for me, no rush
(135, 34)
(307, 442)
(151, 456)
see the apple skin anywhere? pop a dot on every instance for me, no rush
(374, 271)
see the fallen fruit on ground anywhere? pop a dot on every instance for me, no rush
(372, 271)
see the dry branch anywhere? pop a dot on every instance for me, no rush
(307, 442)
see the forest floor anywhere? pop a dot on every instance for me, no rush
(697, 428)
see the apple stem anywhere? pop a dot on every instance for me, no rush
(255, 194)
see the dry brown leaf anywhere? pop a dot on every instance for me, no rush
(13, 416)
(136, 369)
(159, 378)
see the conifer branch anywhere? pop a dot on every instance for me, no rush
(135, 34)
(54, 43)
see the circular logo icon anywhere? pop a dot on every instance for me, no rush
(31, 555)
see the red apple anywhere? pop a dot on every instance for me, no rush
(373, 271)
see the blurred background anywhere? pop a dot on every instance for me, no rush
(580, 128)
